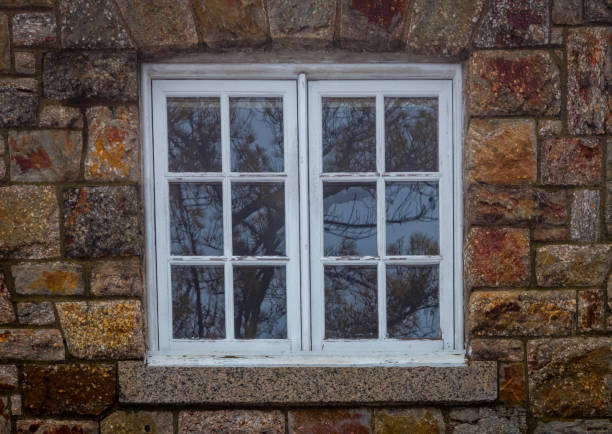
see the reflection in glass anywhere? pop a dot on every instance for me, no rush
(350, 302)
(196, 219)
(411, 134)
(258, 219)
(256, 130)
(413, 309)
(412, 218)
(260, 302)
(194, 135)
(198, 302)
(349, 219)
(349, 134)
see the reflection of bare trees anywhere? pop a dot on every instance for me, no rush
(350, 302)
(413, 302)
(349, 134)
(260, 305)
(194, 135)
(198, 302)
(256, 129)
(411, 134)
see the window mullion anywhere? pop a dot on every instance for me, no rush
(228, 277)
(380, 215)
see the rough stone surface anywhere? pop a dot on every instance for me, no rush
(56, 278)
(36, 313)
(19, 98)
(34, 29)
(549, 234)
(565, 265)
(501, 205)
(48, 426)
(119, 277)
(45, 155)
(556, 36)
(597, 426)
(571, 161)
(137, 422)
(329, 421)
(25, 62)
(82, 389)
(29, 222)
(90, 75)
(590, 311)
(91, 24)
(512, 384)
(7, 312)
(373, 25)
(498, 257)
(522, 313)
(507, 420)
(5, 416)
(263, 386)
(112, 149)
(417, 420)
(231, 22)
(584, 222)
(103, 329)
(303, 21)
(567, 11)
(16, 408)
(31, 344)
(5, 44)
(514, 23)
(58, 116)
(8, 378)
(442, 26)
(231, 421)
(549, 128)
(23, 3)
(2, 161)
(570, 377)
(589, 66)
(160, 24)
(100, 221)
(504, 350)
(598, 10)
(501, 151)
(513, 83)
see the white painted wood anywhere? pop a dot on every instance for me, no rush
(439, 80)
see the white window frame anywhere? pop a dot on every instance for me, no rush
(435, 80)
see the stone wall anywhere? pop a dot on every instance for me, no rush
(538, 174)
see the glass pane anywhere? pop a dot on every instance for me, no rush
(413, 307)
(349, 134)
(349, 219)
(411, 134)
(412, 218)
(258, 219)
(194, 135)
(196, 219)
(260, 302)
(256, 129)
(351, 302)
(198, 302)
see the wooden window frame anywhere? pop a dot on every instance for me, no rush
(304, 346)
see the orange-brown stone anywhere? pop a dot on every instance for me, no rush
(326, 421)
(512, 384)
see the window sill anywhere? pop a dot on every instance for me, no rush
(307, 385)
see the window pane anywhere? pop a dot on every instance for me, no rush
(194, 135)
(196, 219)
(411, 134)
(256, 129)
(198, 302)
(258, 219)
(413, 309)
(349, 134)
(349, 219)
(351, 302)
(412, 218)
(260, 302)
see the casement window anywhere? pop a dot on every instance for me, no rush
(298, 215)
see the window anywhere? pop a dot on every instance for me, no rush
(299, 216)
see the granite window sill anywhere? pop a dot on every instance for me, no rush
(470, 383)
